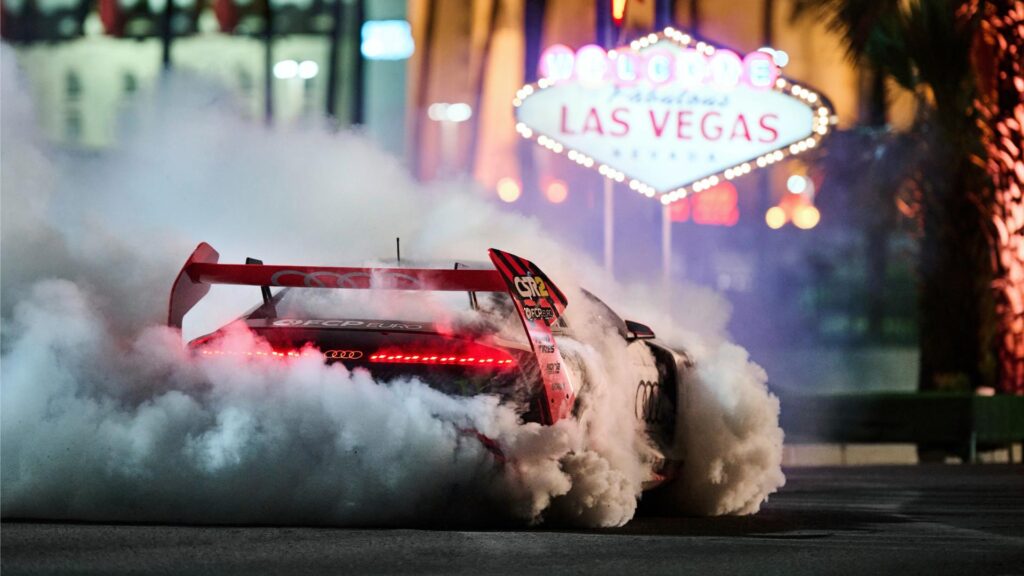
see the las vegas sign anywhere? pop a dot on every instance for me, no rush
(669, 115)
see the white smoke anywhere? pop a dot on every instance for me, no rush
(104, 416)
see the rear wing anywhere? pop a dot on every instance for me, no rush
(538, 301)
(201, 270)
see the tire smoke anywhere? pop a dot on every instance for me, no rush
(106, 417)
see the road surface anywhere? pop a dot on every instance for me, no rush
(882, 520)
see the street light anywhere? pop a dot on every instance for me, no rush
(449, 115)
(286, 69)
(308, 69)
(290, 69)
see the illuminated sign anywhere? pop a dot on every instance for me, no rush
(387, 40)
(669, 115)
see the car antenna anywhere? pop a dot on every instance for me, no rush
(398, 250)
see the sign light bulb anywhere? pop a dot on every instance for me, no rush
(726, 69)
(691, 67)
(557, 62)
(591, 65)
(660, 68)
(760, 70)
(627, 68)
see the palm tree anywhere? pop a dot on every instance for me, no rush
(1001, 106)
(971, 281)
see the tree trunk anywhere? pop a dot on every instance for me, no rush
(879, 228)
(1001, 101)
(954, 279)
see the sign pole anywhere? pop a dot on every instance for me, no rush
(666, 247)
(609, 226)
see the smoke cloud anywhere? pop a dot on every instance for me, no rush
(106, 417)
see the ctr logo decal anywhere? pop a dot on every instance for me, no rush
(530, 287)
(343, 354)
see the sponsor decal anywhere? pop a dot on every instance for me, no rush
(530, 287)
(343, 354)
(539, 303)
(353, 324)
(328, 279)
(538, 313)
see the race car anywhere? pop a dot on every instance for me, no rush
(505, 340)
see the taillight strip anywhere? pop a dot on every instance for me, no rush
(485, 361)
(258, 353)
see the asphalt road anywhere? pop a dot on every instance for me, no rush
(885, 520)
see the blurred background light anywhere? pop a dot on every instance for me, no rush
(557, 61)
(557, 191)
(508, 190)
(796, 184)
(780, 57)
(775, 217)
(387, 40)
(806, 217)
(308, 69)
(286, 69)
(446, 112)
(459, 112)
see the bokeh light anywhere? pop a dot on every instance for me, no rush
(806, 217)
(796, 184)
(775, 217)
(508, 190)
(557, 191)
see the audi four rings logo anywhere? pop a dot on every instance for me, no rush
(343, 354)
(649, 402)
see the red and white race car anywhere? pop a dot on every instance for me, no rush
(509, 344)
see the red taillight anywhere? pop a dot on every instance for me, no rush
(259, 353)
(481, 358)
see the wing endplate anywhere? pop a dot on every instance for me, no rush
(189, 290)
(539, 304)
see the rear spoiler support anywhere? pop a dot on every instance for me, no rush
(264, 290)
